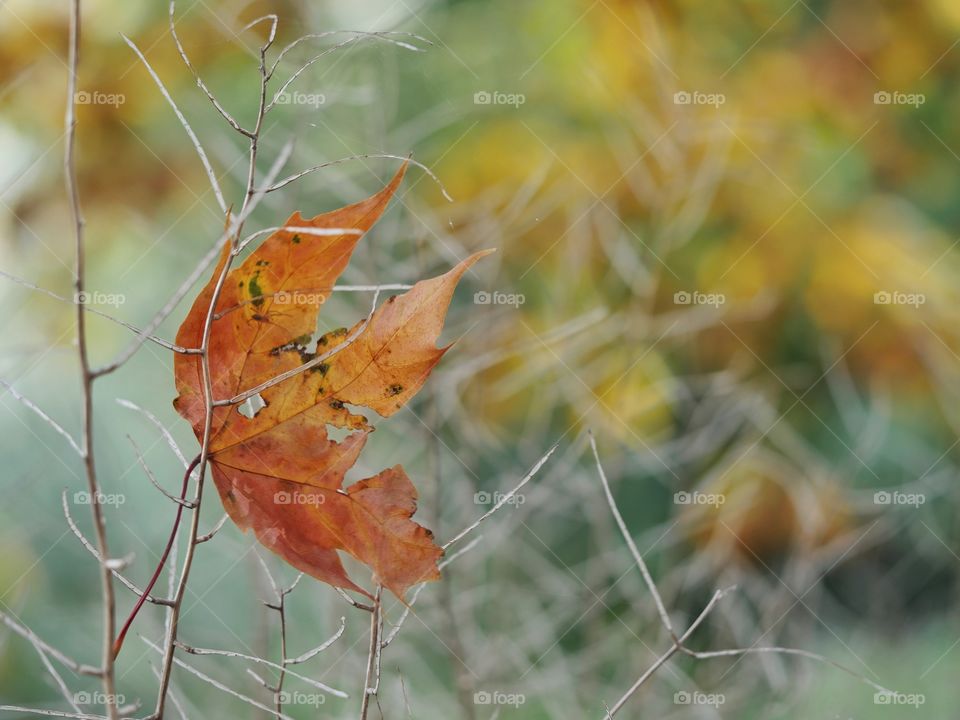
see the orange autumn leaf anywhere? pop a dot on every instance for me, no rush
(279, 472)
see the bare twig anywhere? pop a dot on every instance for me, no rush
(159, 425)
(358, 605)
(371, 682)
(503, 500)
(214, 531)
(153, 480)
(280, 184)
(211, 175)
(57, 678)
(320, 648)
(87, 377)
(200, 84)
(93, 311)
(391, 636)
(261, 661)
(218, 685)
(65, 660)
(313, 362)
(42, 415)
(638, 558)
(51, 713)
(93, 551)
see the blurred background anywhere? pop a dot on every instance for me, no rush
(727, 245)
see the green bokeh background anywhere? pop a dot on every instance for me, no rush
(797, 199)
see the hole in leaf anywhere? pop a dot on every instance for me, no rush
(251, 406)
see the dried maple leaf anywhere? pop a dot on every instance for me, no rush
(278, 472)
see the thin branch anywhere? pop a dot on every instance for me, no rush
(150, 476)
(43, 416)
(200, 84)
(232, 229)
(211, 175)
(57, 678)
(215, 683)
(93, 311)
(51, 713)
(118, 643)
(371, 681)
(785, 651)
(28, 634)
(320, 232)
(371, 288)
(313, 362)
(503, 500)
(216, 529)
(365, 156)
(163, 430)
(358, 36)
(254, 659)
(717, 596)
(354, 603)
(391, 636)
(86, 375)
(638, 558)
(320, 648)
(173, 697)
(386, 35)
(93, 551)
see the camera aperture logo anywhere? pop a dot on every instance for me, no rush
(497, 697)
(496, 297)
(85, 497)
(495, 97)
(314, 100)
(683, 297)
(288, 697)
(495, 498)
(886, 497)
(299, 297)
(95, 297)
(296, 497)
(95, 97)
(699, 498)
(897, 698)
(895, 97)
(98, 698)
(683, 697)
(894, 297)
(696, 97)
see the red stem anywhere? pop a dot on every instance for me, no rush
(163, 560)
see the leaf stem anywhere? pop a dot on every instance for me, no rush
(118, 643)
